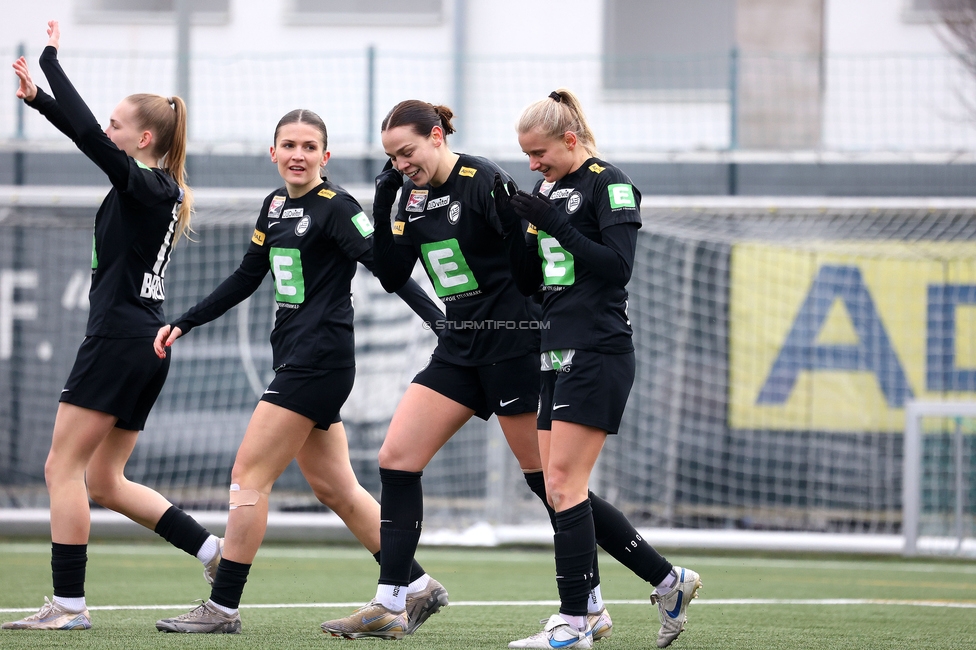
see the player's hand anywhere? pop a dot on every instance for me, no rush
(164, 338)
(388, 183)
(502, 194)
(53, 34)
(535, 209)
(27, 89)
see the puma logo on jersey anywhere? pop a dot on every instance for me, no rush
(152, 287)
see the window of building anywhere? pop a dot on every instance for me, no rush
(365, 12)
(663, 49)
(205, 12)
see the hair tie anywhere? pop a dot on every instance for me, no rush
(556, 96)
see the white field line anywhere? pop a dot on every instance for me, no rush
(555, 603)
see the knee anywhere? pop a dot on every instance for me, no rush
(102, 489)
(558, 489)
(388, 458)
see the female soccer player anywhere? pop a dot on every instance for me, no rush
(310, 234)
(485, 361)
(584, 219)
(116, 378)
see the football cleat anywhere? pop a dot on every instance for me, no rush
(203, 619)
(424, 604)
(370, 620)
(673, 605)
(599, 626)
(556, 634)
(210, 568)
(52, 616)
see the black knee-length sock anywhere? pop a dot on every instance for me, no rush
(68, 562)
(575, 546)
(181, 530)
(401, 520)
(618, 537)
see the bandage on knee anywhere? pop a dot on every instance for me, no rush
(239, 497)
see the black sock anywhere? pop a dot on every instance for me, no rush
(537, 483)
(415, 571)
(68, 563)
(574, 545)
(181, 530)
(401, 520)
(618, 537)
(229, 583)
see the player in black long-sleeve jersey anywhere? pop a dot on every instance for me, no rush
(310, 234)
(579, 251)
(116, 378)
(486, 359)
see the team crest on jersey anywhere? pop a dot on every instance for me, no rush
(468, 171)
(561, 194)
(439, 202)
(417, 201)
(454, 213)
(545, 188)
(573, 203)
(302, 226)
(277, 203)
(327, 193)
(293, 213)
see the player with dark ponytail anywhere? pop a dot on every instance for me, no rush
(446, 218)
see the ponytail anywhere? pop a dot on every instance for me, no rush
(555, 115)
(423, 117)
(167, 119)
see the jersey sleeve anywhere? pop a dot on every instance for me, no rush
(486, 202)
(349, 226)
(238, 286)
(393, 253)
(82, 127)
(615, 199)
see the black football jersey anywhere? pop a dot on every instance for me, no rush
(455, 232)
(134, 226)
(581, 310)
(310, 245)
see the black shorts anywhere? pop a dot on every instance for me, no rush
(509, 387)
(592, 392)
(121, 377)
(316, 393)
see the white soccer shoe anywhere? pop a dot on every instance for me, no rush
(673, 605)
(52, 616)
(556, 634)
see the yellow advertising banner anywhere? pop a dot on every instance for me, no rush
(837, 336)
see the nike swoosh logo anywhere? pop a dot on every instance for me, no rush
(501, 403)
(64, 390)
(562, 644)
(556, 407)
(270, 392)
(272, 223)
(413, 218)
(677, 608)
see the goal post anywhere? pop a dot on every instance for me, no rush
(915, 411)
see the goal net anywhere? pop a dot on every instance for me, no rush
(778, 343)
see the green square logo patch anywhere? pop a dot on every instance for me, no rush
(558, 264)
(622, 196)
(361, 221)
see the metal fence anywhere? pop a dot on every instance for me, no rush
(853, 104)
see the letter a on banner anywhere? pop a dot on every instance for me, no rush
(802, 353)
